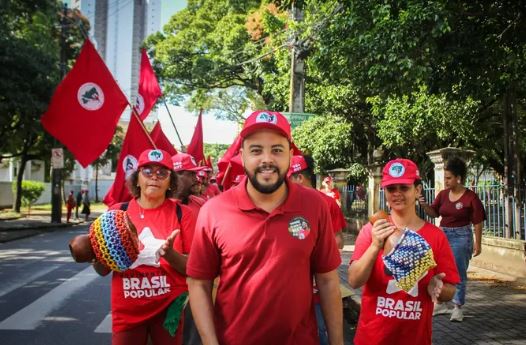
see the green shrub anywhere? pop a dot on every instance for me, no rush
(31, 191)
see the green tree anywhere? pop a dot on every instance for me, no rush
(326, 139)
(215, 151)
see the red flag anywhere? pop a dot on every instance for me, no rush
(135, 142)
(85, 108)
(161, 141)
(209, 162)
(195, 148)
(149, 89)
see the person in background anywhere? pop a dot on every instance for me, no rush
(86, 209)
(266, 239)
(147, 300)
(329, 189)
(461, 210)
(70, 204)
(78, 203)
(391, 315)
(211, 187)
(301, 171)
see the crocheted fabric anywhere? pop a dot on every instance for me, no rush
(409, 260)
(114, 242)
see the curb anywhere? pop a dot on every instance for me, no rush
(24, 231)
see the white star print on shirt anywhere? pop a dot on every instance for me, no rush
(148, 255)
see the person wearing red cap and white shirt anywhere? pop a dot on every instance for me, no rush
(186, 170)
(301, 171)
(388, 314)
(265, 238)
(330, 190)
(146, 296)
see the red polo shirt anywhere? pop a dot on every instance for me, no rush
(195, 203)
(265, 263)
(337, 217)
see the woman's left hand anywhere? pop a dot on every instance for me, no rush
(167, 248)
(434, 288)
(477, 249)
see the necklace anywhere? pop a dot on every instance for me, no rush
(141, 210)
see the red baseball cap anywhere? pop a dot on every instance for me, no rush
(327, 179)
(184, 162)
(400, 171)
(297, 164)
(266, 119)
(159, 157)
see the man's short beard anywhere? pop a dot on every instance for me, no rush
(265, 189)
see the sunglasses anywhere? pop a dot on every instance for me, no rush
(161, 173)
(398, 187)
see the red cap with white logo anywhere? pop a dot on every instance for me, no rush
(159, 157)
(297, 164)
(263, 119)
(400, 171)
(185, 162)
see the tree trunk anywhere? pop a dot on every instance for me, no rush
(19, 178)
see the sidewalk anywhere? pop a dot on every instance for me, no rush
(495, 310)
(23, 227)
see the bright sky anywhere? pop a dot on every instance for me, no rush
(214, 131)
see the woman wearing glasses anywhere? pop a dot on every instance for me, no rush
(396, 308)
(148, 299)
(459, 208)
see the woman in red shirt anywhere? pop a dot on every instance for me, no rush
(391, 315)
(460, 209)
(147, 299)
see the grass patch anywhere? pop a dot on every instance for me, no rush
(9, 214)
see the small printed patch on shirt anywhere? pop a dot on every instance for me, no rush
(299, 228)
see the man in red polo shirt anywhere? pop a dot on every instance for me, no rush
(265, 238)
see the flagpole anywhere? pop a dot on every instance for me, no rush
(173, 123)
(138, 118)
(227, 172)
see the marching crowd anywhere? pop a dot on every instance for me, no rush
(257, 263)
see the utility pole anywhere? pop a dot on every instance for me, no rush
(57, 155)
(297, 72)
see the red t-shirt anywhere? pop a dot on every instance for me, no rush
(466, 210)
(142, 292)
(392, 316)
(337, 217)
(333, 193)
(265, 263)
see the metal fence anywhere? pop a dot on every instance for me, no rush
(354, 201)
(495, 205)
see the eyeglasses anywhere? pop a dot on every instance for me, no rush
(161, 173)
(398, 187)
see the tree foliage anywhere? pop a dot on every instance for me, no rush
(326, 139)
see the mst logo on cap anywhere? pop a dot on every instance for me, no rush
(396, 170)
(266, 117)
(400, 171)
(90, 96)
(155, 156)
